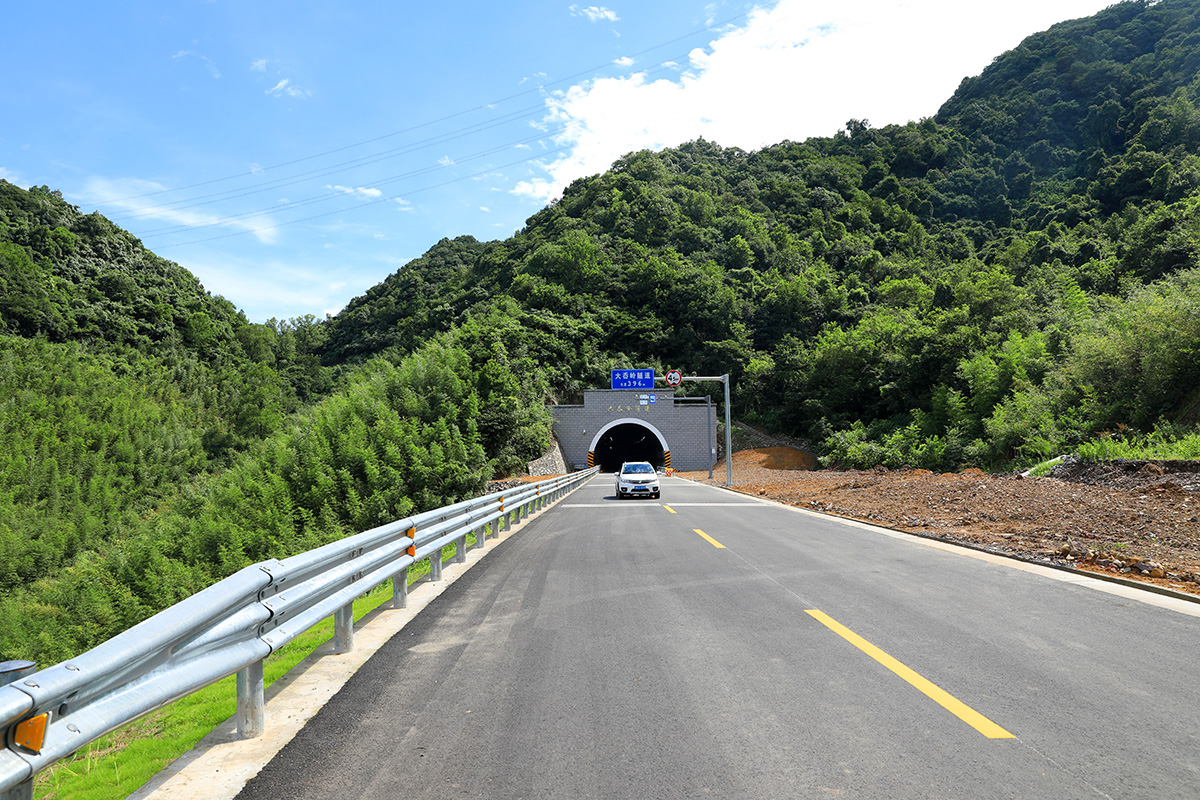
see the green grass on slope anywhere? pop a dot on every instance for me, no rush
(117, 764)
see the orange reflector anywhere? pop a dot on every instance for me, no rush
(412, 550)
(411, 533)
(31, 734)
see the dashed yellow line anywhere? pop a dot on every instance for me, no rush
(668, 508)
(940, 696)
(710, 539)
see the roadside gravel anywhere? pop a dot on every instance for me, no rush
(1127, 519)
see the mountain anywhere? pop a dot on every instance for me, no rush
(1012, 278)
(943, 274)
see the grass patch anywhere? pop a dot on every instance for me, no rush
(1043, 469)
(117, 764)
(1162, 443)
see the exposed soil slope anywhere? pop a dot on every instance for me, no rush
(1133, 519)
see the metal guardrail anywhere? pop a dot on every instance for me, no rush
(230, 627)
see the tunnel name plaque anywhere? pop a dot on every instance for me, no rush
(632, 378)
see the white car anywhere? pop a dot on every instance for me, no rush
(637, 479)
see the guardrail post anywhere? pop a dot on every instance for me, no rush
(250, 701)
(400, 589)
(343, 629)
(435, 566)
(22, 791)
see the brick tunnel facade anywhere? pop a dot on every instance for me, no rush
(614, 426)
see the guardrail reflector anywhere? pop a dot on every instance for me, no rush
(31, 734)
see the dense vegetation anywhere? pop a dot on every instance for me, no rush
(152, 440)
(1012, 278)
(989, 286)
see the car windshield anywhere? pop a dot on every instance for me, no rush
(633, 468)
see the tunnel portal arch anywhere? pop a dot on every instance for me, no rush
(628, 439)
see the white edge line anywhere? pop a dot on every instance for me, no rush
(1128, 592)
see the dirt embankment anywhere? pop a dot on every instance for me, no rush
(1135, 519)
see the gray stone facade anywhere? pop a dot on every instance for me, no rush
(606, 426)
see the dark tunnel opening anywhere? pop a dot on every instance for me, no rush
(628, 442)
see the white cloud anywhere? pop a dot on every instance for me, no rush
(258, 66)
(137, 198)
(595, 13)
(624, 61)
(792, 71)
(446, 161)
(208, 62)
(485, 209)
(252, 283)
(405, 205)
(359, 191)
(284, 87)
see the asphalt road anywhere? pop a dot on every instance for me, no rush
(711, 645)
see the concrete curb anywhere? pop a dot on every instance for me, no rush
(219, 766)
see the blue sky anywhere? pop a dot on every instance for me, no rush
(293, 154)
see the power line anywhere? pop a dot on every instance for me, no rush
(332, 170)
(374, 202)
(460, 133)
(340, 194)
(342, 148)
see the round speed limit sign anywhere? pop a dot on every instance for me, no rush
(674, 378)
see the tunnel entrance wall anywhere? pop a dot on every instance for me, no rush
(679, 427)
(628, 439)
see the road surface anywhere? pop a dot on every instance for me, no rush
(710, 644)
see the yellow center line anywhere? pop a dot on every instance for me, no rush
(710, 539)
(668, 508)
(931, 690)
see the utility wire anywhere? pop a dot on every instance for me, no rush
(459, 133)
(341, 194)
(537, 89)
(374, 202)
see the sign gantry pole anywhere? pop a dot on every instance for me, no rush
(674, 378)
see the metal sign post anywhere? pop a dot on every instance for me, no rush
(674, 379)
(707, 417)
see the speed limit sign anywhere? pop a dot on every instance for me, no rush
(674, 378)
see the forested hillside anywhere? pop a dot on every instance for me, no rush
(153, 441)
(1010, 279)
(986, 287)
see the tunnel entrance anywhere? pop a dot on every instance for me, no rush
(628, 441)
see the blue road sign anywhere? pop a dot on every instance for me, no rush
(633, 379)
